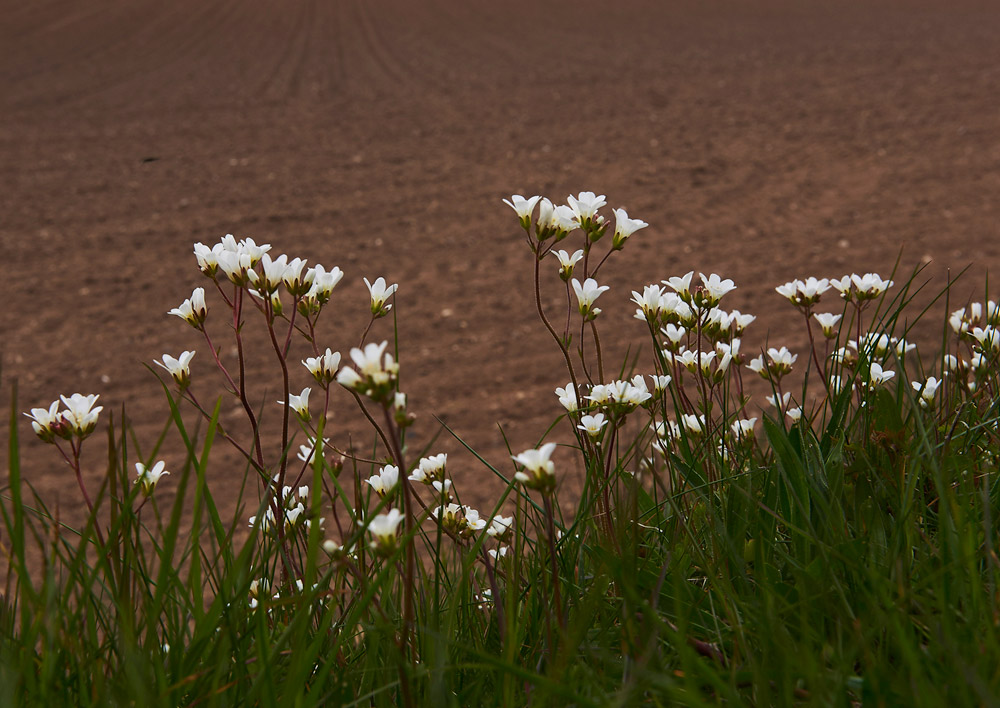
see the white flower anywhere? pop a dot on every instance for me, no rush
(567, 397)
(296, 283)
(927, 391)
(779, 401)
(379, 294)
(756, 365)
(586, 294)
(828, 321)
(592, 425)
(539, 471)
(988, 337)
(377, 374)
(600, 394)
(46, 422)
(568, 262)
(442, 487)
(148, 477)
(716, 287)
(500, 527)
(383, 482)
(523, 207)
(323, 283)
(625, 227)
(673, 333)
(323, 367)
(585, 206)
(430, 469)
(804, 293)
(179, 368)
(795, 414)
(299, 404)
(744, 427)
(554, 220)
(682, 284)
(649, 302)
(878, 375)
(870, 285)
(781, 360)
(383, 530)
(193, 310)
(694, 424)
(660, 383)
(274, 271)
(208, 262)
(740, 321)
(80, 414)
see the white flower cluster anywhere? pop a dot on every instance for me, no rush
(580, 212)
(292, 507)
(376, 373)
(78, 419)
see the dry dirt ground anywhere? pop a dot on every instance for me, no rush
(761, 140)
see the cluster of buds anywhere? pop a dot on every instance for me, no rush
(77, 420)
(376, 375)
(861, 288)
(459, 520)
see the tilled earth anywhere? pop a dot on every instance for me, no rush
(762, 141)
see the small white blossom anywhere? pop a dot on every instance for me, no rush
(193, 310)
(625, 227)
(539, 471)
(80, 414)
(586, 294)
(379, 294)
(681, 284)
(179, 368)
(567, 397)
(828, 321)
(299, 404)
(523, 207)
(147, 477)
(567, 262)
(384, 482)
(46, 423)
(592, 425)
(323, 367)
(715, 287)
(927, 391)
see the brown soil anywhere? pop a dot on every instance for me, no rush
(763, 141)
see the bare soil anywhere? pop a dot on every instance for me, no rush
(763, 141)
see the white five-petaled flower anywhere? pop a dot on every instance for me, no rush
(179, 368)
(383, 530)
(694, 424)
(375, 375)
(877, 375)
(781, 360)
(779, 401)
(585, 206)
(323, 367)
(523, 207)
(567, 397)
(47, 423)
(680, 284)
(650, 303)
(625, 227)
(147, 477)
(299, 404)
(539, 470)
(567, 262)
(586, 294)
(804, 293)
(80, 414)
(744, 427)
(592, 425)
(379, 294)
(870, 285)
(794, 414)
(430, 469)
(828, 321)
(323, 283)
(193, 310)
(715, 288)
(927, 391)
(383, 482)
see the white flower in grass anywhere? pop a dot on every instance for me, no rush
(523, 207)
(586, 294)
(660, 383)
(430, 469)
(844, 355)
(473, 520)
(837, 384)
(780, 402)
(379, 294)
(383, 531)
(632, 394)
(744, 427)
(794, 414)
(592, 425)
(680, 284)
(693, 424)
(567, 397)
(877, 375)
(497, 553)
(47, 423)
(649, 302)
(323, 367)
(384, 482)
(80, 415)
(715, 288)
(903, 347)
(299, 404)
(843, 286)
(501, 527)
(539, 470)
(179, 368)
(927, 391)
(870, 285)
(377, 373)
(688, 359)
(740, 321)
(988, 338)
(625, 227)
(567, 262)
(297, 282)
(757, 366)
(193, 310)
(781, 361)
(443, 488)
(828, 321)
(951, 362)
